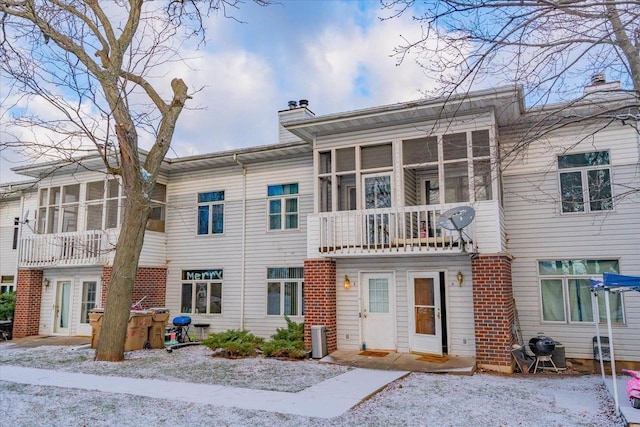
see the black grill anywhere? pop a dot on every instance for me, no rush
(542, 346)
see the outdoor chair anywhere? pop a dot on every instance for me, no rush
(606, 352)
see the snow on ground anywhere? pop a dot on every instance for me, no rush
(416, 400)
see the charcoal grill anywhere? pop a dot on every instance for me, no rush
(542, 347)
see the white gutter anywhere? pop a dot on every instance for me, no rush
(244, 237)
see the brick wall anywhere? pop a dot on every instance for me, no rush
(26, 320)
(151, 282)
(493, 309)
(320, 299)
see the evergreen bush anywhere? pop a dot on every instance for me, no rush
(7, 305)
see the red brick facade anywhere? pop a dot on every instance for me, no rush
(320, 299)
(28, 299)
(151, 282)
(493, 309)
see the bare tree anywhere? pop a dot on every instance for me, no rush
(552, 49)
(93, 63)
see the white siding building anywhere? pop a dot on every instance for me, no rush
(341, 224)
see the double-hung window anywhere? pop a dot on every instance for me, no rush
(285, 291)
(585, 182)
(211, 213)
(283, 206)
(565, 292)
(201, 292)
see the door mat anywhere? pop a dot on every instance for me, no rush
(373, 353)
(433, 359)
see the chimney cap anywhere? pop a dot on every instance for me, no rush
(598, 79)
(304, 102)
(292, 104)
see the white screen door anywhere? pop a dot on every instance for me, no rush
(378, 311)
(63, 309)
(89, 302)
(425, 317)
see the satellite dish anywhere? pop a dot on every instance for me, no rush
(26, 217)
(456, 219)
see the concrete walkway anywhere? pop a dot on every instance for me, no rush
(327, 399)
(403, 362)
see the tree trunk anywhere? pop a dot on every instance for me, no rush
(123, 274)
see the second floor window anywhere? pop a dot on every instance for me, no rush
(211, 213)
(585, 182)
(58, 209)
(283, 206)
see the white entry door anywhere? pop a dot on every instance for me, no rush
(90, 294)
(378, 311)
(425, 318)
(62, 307)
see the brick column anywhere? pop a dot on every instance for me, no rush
(493, 311)
(26, 320)
(151, 282)
(320, 300)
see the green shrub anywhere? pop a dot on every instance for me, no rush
(293, 332)
(234, 343)
(7, 305)
(284, 348)
(287, 342)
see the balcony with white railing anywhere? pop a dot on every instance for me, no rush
(408, 230)
(82, 248)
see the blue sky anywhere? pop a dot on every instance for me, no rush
(336, 54)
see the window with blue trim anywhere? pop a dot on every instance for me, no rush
(211, 213)
(283, 206)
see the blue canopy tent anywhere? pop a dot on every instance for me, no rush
(616, 283)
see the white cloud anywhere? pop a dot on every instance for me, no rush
(338, 57)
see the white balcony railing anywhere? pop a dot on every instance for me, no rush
(401, 230)
(64, 249)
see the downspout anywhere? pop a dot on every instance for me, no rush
(244, 235)
(21, 220)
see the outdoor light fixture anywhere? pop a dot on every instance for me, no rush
(347, 282)
(47, 282)
(460, 278)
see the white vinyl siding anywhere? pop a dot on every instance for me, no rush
(263, 249)
(537, 230)
(458, 299)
